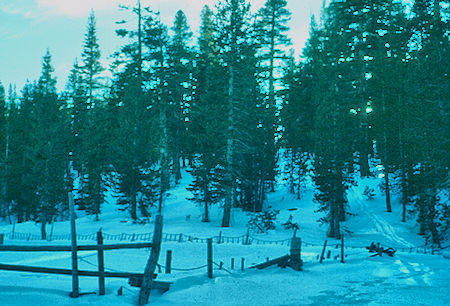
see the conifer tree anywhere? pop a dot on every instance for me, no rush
(21, 195)
(297, 117)
(91, 66)
(204, 126)
(271, 30)
(3, 153)
(137, 132)
(48, 148)
(180, 64)
(90, 137)
(427, 133)
(238, 53)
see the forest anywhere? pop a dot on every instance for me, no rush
(230, 104)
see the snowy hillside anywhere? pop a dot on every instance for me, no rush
(410, 277)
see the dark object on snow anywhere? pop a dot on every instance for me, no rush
(379, 250)
(281, 261)
(159, 285)
(369, 193)
(291, 225)
(263, 221)
(293, 260)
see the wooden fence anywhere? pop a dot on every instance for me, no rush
(144, 280)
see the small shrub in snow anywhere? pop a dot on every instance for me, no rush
(263, 221)
(369, 193)
(291, 225)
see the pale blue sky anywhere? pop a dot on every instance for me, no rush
(29, 27)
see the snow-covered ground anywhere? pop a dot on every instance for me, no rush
(407, 278)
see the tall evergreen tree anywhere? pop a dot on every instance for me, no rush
(90, 137)
(91, 66)
(48, 148)
(180, 66)
(3, 153)
(271, 31)
(138, 133)
(204, 127)
(428, 124)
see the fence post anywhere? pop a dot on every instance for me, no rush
(296, 250)
(147, 279)
(2, 238)
(232, 263)
(242, 263)
(323, 251)
(247, 241)
(342, 248)
(210, 261)
(168, 261)
(73, 233)
(220, 238)
(101, 264)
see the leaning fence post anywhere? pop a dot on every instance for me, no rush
(168, 261)
(210, 261)
(101, 263)
(323, 251)
(147, 279)
(220, 238)
(73, 233)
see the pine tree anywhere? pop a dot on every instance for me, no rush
(156, 40)
(428, 131)
(3, 153)
(90, 137)
(180, 66)
(21, 197)
(48, 148)
(297, 117)
(238, 54)
(137, 155)
(91, 66)
(204, 126)
(271, 28)
(334, 120)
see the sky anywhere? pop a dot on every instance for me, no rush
(29, 27)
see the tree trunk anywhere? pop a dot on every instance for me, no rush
(133, 207)
(299, 183)
(404, 194)
(229, 189)
(387, 191)
(206, 216)
(177, 166)
(364, 163)
(43, 232)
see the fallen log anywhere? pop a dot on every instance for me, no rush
(281, 261)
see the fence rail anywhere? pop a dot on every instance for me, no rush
(63, 248)
(245, 239)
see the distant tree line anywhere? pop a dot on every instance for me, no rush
(371, 88)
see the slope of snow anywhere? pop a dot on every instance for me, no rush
(407, 278)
